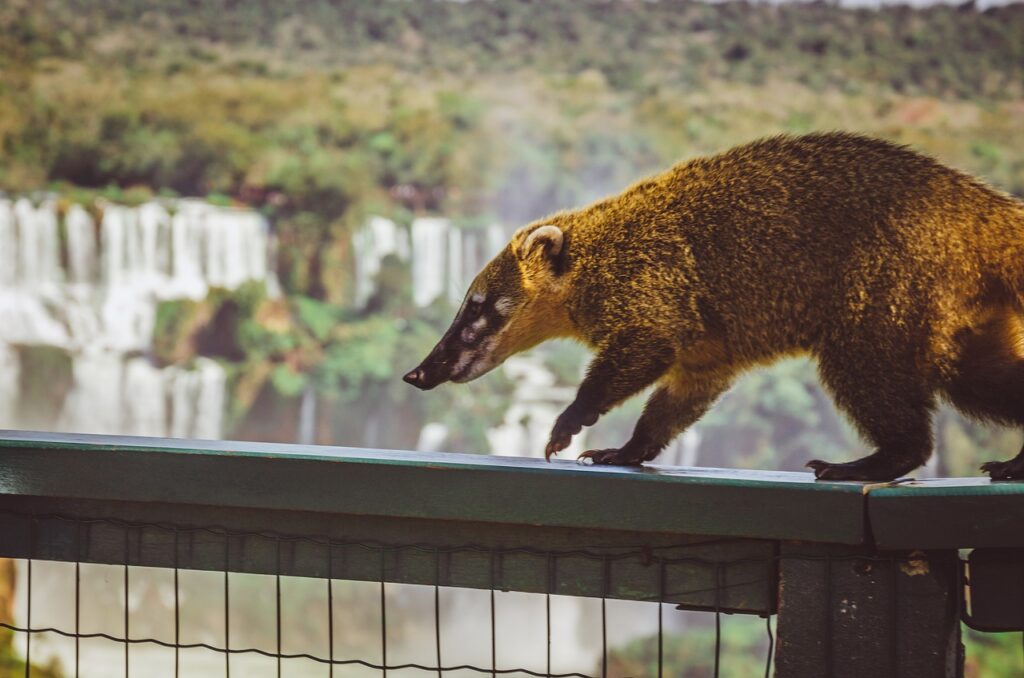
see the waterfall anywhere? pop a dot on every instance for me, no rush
(536, 403)
(81, 237)
(88, 281)
(307, 416)
(456, 258)
(8, 245)
(107, 296)
(428, 261)
(432, 437)
(378, 238)
(96, 401)
(146, 406)
(37, 243)
(99, 304)
(444, 258)
(197, 400)
(186, 272)
(10, 372)
(496, 240)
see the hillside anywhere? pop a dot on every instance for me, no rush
(320, 114)
(449, 106)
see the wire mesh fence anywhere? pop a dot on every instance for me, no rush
(380, 653)
(116, 617)
(187, 558)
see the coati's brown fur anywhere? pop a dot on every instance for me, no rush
(902, 277)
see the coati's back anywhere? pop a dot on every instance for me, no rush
(788, 236)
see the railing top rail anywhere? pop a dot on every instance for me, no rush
(399, 484)
(944, 513)
(486, 489)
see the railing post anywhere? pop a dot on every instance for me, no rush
(848, 611)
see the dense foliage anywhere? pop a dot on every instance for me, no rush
(320, 113)
(327, 105)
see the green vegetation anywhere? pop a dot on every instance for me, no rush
(320, 113)
(323, 113)
(505, 109)
(998, 655)
(12, 666)
(744, 649)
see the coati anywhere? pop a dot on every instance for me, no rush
(903, 278)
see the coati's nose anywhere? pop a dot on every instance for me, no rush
(415, 378)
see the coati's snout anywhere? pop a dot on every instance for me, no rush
(468, 349)
(502, 314)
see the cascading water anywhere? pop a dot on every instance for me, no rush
(429, 240)
(536, 403)
(91, 289)
(10, 373)
(379, 238)
(443, 258)
(98, 303)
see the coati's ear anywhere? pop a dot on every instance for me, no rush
(544, 241)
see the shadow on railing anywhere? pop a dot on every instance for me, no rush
(859, 580)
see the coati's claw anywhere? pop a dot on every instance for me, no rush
(818, 466)
(1004, 470)
(612, 457)
(568, 424)
(555, 446)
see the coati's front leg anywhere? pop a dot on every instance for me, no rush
(626, 365)
(668, 412)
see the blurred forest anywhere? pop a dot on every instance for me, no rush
(322, 113)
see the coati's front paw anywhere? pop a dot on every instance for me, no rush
(1005, 470)
(568, 424)
(613, 457)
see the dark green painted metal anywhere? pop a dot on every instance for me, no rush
(948, 514)
(723, 503)
(414, 551)
(846, 612)
(996, 579)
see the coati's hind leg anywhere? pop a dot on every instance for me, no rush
(892, 407)
(668, 412)
(989, 382)
(1006, 470)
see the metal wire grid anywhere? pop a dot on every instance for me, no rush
(439, 667)
(332, 661)
(650, 555)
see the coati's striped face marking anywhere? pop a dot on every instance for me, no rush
(469, 348)
(503, 313)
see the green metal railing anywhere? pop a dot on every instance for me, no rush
(859, 579)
